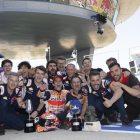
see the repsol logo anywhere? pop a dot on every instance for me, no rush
(58, 99)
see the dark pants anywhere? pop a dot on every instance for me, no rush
(97, 102)
(133, 105)
(8, 116)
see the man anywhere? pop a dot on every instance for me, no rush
(56, 98)
(33, 85)
(130, 87)
(77, 93)
(86, 64)
(71, 71)
(61, 66)
(105, 97)
(114, 60)
(7, 67)
(9, 93)
(23, 70)
(51, 66)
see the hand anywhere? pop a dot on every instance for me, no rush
(107, 103)
(82, 77)
(46, 76)
(20, 84)
(43, 87)
(81, 118)
(79, 96)
(126, 73)
(34, 114)
(117, 84)
(71, 90)
(32, 71)
(20, 71)
(1, 82)
(21, 104)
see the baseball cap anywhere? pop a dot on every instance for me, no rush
(57, 76)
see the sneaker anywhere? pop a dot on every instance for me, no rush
(105, 121)
(126, 122)
(2, 130)
(113, 118)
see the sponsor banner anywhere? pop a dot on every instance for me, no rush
(79, 3)
(104, 7)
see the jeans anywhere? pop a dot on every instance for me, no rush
(97, 102)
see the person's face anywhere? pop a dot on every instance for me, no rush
(87, 65)
(116, 73)
(76, 84)
(57, 84)
(12, 82)
(7, 68)
(109, 62)
(70, 71)
(95, 81)
(52, 69)
(25, 71)
(39, 75)
(61, 64)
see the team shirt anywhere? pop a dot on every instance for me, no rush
(3, 78)
(55, 101)
(103, 91)
(62, 73)
(6, 96)
(50, 81)
(31, 93)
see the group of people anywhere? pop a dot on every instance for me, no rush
(50, 89)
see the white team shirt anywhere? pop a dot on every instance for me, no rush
(3, 78)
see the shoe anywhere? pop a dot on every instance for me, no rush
(126, 122)
(105, 121)
(65, 125)
(2, 130)
(113, 118)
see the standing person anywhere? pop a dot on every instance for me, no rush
(105, 97)
(33, 85)
(9, 93)
(52, 69)
(71, 71)
(86, 64)
(130, 87)
(7, 67)
(61, 66)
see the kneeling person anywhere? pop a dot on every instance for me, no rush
(105, 97)
(8, 93)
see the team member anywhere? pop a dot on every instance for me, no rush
(86, 64)
(71, 71)
(33, 85)
(61, 66)
(102, 97)
(56, 98)
(7, 67)
(52, 69)
(130, 87)
(9, 93)
(113, 60)
(77, 93)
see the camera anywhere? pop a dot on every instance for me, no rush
(100, 30)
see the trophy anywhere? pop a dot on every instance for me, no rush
(75, 110)
(91, 123)
(29, 123)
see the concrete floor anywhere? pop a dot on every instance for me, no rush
(68, 135)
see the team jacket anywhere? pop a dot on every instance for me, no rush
(6, 96)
